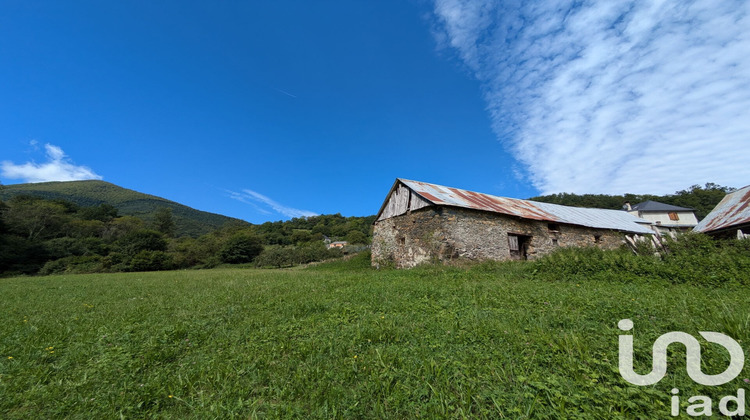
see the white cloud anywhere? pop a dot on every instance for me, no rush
(612, 97)
(253, 198)
(58, 167)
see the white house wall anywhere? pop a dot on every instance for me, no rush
(687, 218)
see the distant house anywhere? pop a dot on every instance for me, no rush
(666, 218)
(730, 218)
(420, 222)
(338, 244)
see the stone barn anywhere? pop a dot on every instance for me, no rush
(421, 222)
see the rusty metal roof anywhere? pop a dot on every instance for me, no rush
(733, 210)
(594, 218)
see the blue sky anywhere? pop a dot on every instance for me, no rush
(271, 110)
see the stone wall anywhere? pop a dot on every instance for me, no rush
(451, 234)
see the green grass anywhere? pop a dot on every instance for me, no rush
(342, 340)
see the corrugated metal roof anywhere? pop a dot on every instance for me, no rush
(733, 210)
(594, 218)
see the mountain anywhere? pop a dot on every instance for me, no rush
(189, 221)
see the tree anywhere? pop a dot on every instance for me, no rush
(163, 221)
(301, 235)
(241, 248)
(702, 199)
(85, 228)
(3, 209)
(34, 218)
(21, 255)
(356, 237)
(102, 212)
(121, 227)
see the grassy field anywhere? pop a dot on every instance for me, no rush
(345, 341)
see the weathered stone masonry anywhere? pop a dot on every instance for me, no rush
(442, 233)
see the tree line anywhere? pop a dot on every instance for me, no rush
(700, 198)
(48, 236)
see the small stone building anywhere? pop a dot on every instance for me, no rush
(421, 222)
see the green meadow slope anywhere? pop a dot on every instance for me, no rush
(343, 340)
(128, 202)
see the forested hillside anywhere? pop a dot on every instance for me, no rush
(188, 221)
(45, 233)
(702, 199)
(334, 226)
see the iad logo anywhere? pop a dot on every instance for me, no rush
(693, 347)
(693, 366)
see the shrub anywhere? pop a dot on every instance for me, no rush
(65, 247)
(359, 261)
(696, 258)
(76, 264)
(115, 261)
(202, 252)
(275, 257)
(314, 251)
(151, 261)
(20, 256)
(288, 256)
(692, 258)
